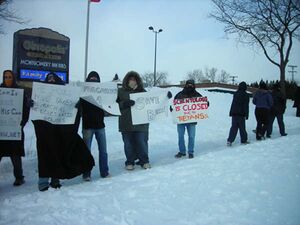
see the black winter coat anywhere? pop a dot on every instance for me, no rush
(92, 116)
(240, 103)
(187, 93)
(279, 102)
(125, 120)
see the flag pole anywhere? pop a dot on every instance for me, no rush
(87, 39)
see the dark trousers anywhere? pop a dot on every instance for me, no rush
(298, 112)
(280, 123)
(238, 123)
(135, 145)
(262, 118)
(17, 165)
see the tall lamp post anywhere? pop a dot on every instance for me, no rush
(155, 49)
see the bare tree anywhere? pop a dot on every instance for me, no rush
(196, 75)
(9, 15)
(161, 79)
(211, 73)
(269, 24)
(224, 77)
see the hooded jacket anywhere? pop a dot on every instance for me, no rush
(297, 98)
(187, 92)
(263, 99)
(279, 101)
(240, 102)
(125, 120)
(15, 147)
(92, 116)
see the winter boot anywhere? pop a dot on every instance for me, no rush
(179, 155)
(19, 181)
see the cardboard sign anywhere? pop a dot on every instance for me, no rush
(189, 110)
(102, 95)
(149, 106)
(54, 103)
(11, 109)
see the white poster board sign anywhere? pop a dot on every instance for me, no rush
(11, 109)
(102, 95)
(149, 106)
(190, 110)
(54, 103)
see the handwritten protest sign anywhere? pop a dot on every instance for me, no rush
(11, 109)
(189, 110)
(102, 95)
(149, 106)
(54, 103)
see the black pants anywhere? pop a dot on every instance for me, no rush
(238, 123)
(280, 123)
(298, 112)
(262, 118)
(17, 164)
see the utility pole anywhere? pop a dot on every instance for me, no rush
(293, 71)
(233, 78)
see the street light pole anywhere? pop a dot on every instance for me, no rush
(155, 51)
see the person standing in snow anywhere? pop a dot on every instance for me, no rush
(62, 154)
(12, 148)
(189, 91)
(93, 124)
(297, 102)
(239, 112)
(263, 102)
(135, 137)
(277, 110)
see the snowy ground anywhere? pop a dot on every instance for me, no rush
(256, 184)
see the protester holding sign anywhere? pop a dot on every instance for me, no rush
(239, 111)
(93, 124)
(62, 154)
(15, 148)
(135, 137)
(188, 91)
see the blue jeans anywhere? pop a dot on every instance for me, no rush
(135, 146)
(191, 130)
(101, 140)
(44, 182)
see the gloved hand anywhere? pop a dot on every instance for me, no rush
(30, 103)
(171, 109)
(169, 95)
(128, 103)
(77, 104)
(207, 103)
(23, 123)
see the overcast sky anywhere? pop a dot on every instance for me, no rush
(120, 40)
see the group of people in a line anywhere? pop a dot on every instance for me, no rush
(63, 154)
(269, 104)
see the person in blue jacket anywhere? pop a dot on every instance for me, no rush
(263, 101)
